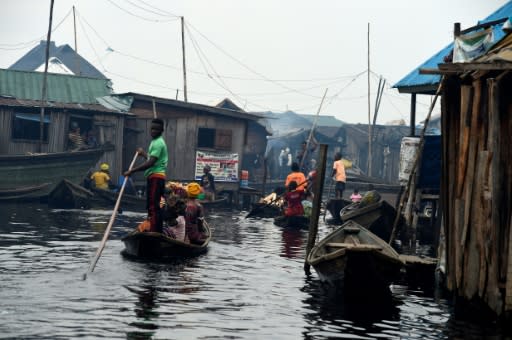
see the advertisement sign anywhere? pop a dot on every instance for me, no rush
(224, 166)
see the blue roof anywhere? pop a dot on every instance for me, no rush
(427, 83)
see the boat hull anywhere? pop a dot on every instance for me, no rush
(156, 246)
(351, 256)
(28, 177)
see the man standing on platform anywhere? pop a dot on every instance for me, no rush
(155, 167)
(338, 172)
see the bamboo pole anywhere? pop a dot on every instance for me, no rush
(315, 214)
(110, 222)
(312, 130)
(416, 162)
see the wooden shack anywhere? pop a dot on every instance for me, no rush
(476, 191)
(70, 99)
(190, 129)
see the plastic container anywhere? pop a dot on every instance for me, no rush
(244, 178)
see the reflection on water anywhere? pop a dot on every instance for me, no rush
(250, 285)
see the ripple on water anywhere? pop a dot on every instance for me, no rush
(250, 285)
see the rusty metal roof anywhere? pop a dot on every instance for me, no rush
(61, 88)
(13, 102)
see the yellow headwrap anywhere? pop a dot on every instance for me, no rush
(193, 190)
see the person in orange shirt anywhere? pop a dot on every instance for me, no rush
(296, 176)
(338, 172)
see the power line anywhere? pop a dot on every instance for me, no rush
(139, 16)
(24, 45)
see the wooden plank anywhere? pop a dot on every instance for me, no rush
(470, 173)
(353, 246)
(466, 107)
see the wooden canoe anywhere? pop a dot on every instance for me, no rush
(157, 246)
(355, 258)
(68, 195)
(334, 206)
(297, 222)
(29, 177)
(264, 210)
(377, 217)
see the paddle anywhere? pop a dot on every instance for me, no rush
(259, 208)
(110, 222)
(328, 195)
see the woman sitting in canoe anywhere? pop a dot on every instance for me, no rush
(194, 214)
(174, 215)
(293, 200)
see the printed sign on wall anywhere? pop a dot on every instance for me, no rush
(224, 166)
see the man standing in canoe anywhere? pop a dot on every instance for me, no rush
(155, 167)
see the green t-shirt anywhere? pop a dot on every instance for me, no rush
(157, 149)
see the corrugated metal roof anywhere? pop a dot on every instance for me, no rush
(415, 82)
(61, 88)
(329, 121)
(13, 102)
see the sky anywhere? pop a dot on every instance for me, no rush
(265, 55)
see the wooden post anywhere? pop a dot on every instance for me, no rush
(45, 78)
(315, 214)
(369, 169)
(264, 184)
(412, 131)
(183, 55)
(77, 59)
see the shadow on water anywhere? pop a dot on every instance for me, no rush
(152, 291)
(353, 313)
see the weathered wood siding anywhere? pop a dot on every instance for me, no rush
(477, 188)
(180, 134)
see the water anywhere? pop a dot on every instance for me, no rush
(250, 285)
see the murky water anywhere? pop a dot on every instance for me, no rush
(250, 285)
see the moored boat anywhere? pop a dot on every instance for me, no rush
(298, 222)
(353, 257)
(157, 246)
(68, 195)
(377, 217)
(30, 177)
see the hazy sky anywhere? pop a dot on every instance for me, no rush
(264, 55)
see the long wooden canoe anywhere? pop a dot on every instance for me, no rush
(352, 256)
(28, 177)
(157, 246)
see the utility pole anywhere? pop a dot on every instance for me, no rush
(77, 61)
(184, 64)
(369, 113)
(45, 76)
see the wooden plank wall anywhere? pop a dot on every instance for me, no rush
(180, 135)
(5, 130)
(476, 189)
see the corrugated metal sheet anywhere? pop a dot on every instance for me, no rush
(13, 102)
(414, 80)
(61, 88)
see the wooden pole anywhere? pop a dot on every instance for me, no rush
(312, 131)
(154, 108)
(45, 80)
(369, 114)
(315, 213)
(264, 184)
(77, 60)
(110, 222)
(183, 57)
(415, 163)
